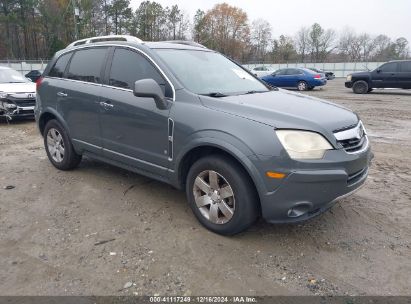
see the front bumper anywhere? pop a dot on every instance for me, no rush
(308, 192)
(12, 107)
(348, 84)
(18, 112)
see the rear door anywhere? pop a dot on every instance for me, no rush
(404, 74)
(386, 76)
(134, 130)
(79, 97)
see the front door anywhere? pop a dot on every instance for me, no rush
(386, 76)
(134, 130)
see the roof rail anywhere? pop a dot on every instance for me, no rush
(105, 38)
(186, 42)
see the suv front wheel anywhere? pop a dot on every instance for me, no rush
(58, 146)
(221, 195)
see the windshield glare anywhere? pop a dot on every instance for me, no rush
(11, 76)
(205, 72)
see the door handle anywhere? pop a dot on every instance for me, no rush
(106, 105)
(62, 94)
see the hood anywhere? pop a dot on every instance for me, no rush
(361, 74)
(285, 109)
(25, 87)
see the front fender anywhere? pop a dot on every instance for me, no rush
(223, 141)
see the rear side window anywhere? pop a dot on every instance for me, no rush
(86, 65)
(60, 66)
(389, 67)
(129, 66)
(405, 67)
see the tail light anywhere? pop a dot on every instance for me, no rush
(38, 82)
(317, 76)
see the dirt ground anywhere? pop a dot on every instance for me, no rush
(51, 224)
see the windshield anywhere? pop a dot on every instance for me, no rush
(11, 76)
(209, 73)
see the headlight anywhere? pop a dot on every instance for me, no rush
(349, 77)
(3, 95)
(303, 144)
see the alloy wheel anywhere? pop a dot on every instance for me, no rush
(214, 197)
(302, 86)
(55, 145)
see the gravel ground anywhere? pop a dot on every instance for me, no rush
(104, 231)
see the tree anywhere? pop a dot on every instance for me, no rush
(260, 37)
(225, 29)
(302, 42)
(283, 49)
(199, 29)
(320, 42)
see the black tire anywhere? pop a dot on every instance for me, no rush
(360, 87)
(302, 86)
(244, 194)
(70, 159)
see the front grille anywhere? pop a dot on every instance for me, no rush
(22, 102)
(25, 102)
(353, 144)
(352, 139)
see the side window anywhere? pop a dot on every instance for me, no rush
(86, 65)
(129, 66)
(389, 67)
(60, 66)
(280, 72)
(405, 67)
(293, 72)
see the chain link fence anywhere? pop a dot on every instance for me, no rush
(25, 66)
(340, 69)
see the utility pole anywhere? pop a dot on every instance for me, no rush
(75, 15)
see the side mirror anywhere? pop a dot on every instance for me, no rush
(378, 70)
(150, 88)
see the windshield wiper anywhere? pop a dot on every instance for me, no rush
(254, 92)
(215, 94)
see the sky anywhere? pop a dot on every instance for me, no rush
(389, 17)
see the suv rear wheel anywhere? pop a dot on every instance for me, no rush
(59, 147)
(360, 87)
(221, 195)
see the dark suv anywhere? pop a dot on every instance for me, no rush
(190, 117)
(393, 74)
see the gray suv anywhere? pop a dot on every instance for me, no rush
(188, 116)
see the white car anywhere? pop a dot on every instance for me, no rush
(261, 71)
(17, 94)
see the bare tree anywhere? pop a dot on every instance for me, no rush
(260, 37)
(302, 42)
